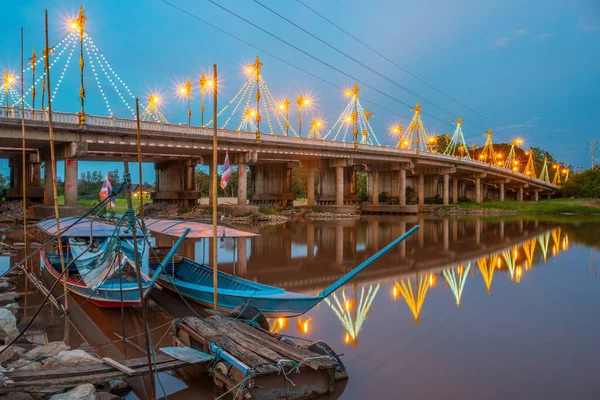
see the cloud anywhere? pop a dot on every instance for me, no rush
(542, 37)
(586, 26)
(505, 41)
(534, 119)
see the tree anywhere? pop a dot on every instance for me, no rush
(583, 185)
(113, 175)
(3, 182)
(361, 186)
(300, 182)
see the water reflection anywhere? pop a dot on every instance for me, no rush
(418, 288)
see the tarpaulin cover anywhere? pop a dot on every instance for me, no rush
(85, 227)
(173, 227)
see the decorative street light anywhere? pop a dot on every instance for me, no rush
(204, 83)
(302, 102)
(396, 131)
(78, 25)
(186, 91)
(9, 79)
(315, 130)
(286, 106)
(32, 63)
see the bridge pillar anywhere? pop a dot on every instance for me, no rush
(520, 193)
(421, 186)
(477, 190)
(175, 183)
(339, 186)
(536, 196)
(549, 196)
(402, 188)
(242, 260)
(502, 191)
(310, 240)
(446, 189)
(242, 184)
(484, 192)
(455, 190)
(310, 190)
(339, 244)
(375, 187)
(446, 234)
(48, 192)
(71, 176)
(34, 189)
(272, 184)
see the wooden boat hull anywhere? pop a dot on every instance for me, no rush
(234, 291)
(105, 296)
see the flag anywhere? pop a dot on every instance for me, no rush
(106, 191)
(226, 176)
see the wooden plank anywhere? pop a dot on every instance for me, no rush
(118, 366)
(226, 328)
(292, 352)
(244, 355)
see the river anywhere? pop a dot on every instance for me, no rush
(494, 308)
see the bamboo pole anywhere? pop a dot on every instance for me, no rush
(139, 154)
(53, 169)
(215, 248)
(23, 154)
(138, 274)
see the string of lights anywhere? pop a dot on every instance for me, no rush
(341, 123)
(245, 87)
(105, 67)
(91, 61)
(271, 104)
(16, 98)
(98, 53)
(40, 59)
(62, 73)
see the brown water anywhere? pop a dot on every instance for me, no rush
(494, 309)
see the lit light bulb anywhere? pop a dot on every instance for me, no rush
(210, 83)
(281, 106)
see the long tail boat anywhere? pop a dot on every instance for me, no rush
(195, 280)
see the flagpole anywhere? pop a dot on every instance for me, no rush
(214, 194)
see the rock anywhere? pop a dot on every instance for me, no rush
(50, 350)
(70, 358)
(13, 307)
(106, 396)
(23, 364)
(4, 286)
(81, 392)
(9, 355)
(8, 325)
(10, 296)
(119, 387)
(17, 396)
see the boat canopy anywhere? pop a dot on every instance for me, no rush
(83, 228)
(175, 227)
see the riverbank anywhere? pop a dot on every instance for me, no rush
(554, 206)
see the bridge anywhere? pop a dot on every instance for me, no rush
(332, 157)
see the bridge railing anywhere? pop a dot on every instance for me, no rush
(183, 129)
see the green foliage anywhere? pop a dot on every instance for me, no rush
(583, 185)
(269, 211)
(555, 206)
(300, 182)
(3, 182)
(361, 186)
(434, 200)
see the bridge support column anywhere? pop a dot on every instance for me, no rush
(48, 192)
(520, 194)
(242, 184)
(310, 190)
(402, 184)
(272, 184)
(375, 187)
(175, 183)
(71, 175)
(34, 189)
(339, 186)
(446, 189)
(477, 190)
(421, 189)
(446, 234)
(502, 191)
(339, 244)
(454, 190)
(536, 196)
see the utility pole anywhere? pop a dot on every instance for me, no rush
(593, 147)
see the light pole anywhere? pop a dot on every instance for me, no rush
(186, 91)
(32, 63)
(9, 79)
(204, 83)
(302, 102)
(78, 24)
(286, 106)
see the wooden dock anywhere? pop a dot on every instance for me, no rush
(258, 364)
(68, 377)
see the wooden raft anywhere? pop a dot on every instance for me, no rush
(60, 378)
(261, 351)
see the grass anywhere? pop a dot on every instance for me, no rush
(554, 206)
(120, 203)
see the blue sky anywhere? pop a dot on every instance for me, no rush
(531, 67)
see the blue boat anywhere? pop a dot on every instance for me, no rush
(195, 281)
(99, 258)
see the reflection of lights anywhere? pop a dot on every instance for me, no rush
(457, 284)
(347, 338)
(432, 279)
(348, 305)
(303, 325)
(395, 292)
(414, 302)
(281, 322)
(518, 273)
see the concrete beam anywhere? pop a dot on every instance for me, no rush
(342, 162)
